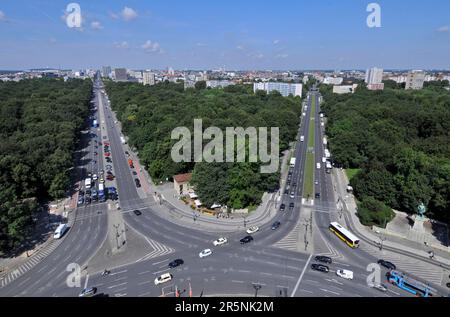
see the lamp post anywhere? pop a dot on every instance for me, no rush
(257, 287)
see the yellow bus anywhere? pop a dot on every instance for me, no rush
(344, 234)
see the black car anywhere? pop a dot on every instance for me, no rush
(108, 160)
(320, 267)
(246, 239)
(137, 212)
(134, 173)
(275, 225)
(176, 263)
(387, 264)
(324, 259)
(138, 182)
(317, 195)
(126, 152)
(88, 200)
(291, 206)
(282, 207)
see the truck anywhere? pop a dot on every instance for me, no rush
(101, 193)
(122, 139)
(410, 285)
(292, 162)
(87, 183)
(130, 163)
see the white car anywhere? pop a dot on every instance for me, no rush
(345, 274)
(220, 241)
(205, 253)
(94, 177)
(166, 277)
(252, 229)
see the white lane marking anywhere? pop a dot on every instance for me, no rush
(304, 290)
(145, 272)
(234, 281)
(160, 261)
(328, 291)
(118, 285)
(243, 271)
(124, 271)
(393, 292)
(86, 282)
(301, 276)
(264, 273)
(168, 269)
(144, 294)
(146, 282)
(120, 278)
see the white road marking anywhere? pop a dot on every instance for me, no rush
(393, 292)
(301, 276)
(124, 271)
(145, 272)
(234, 281)
(160, 261)
(118, 285)
(326, 290)
(146, 282)
(86, 282)
(304, 290)
(168, 269)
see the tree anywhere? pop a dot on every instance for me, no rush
(200, 85)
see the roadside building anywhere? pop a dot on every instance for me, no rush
(181, 183)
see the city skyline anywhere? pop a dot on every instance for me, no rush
(155, 35)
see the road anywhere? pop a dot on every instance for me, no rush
(232, 269)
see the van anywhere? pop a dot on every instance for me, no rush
(302, 138)
(318, 165)
(59, 232)
(166, 277)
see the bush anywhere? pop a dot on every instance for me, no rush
(374, 212)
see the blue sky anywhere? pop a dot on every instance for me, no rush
(236, 34)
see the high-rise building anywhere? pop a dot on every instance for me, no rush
(415, 79)
(106, 71)
(120, 74)
(374, 77)
(149, 78)
(285, 89)
(333, 80)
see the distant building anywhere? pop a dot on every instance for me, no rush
(414, 80)
(181, 183)
(171, 72)
(106, 71)
(345, 89)
(285, 89)
(333, 80)
(149, 78)
(374, 77)
(218, 83)
(120, 74)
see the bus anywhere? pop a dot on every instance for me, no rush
(344, 234)
(410, 285)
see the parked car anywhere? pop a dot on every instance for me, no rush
(348, 275)
(291, 206)
(275, 225)
(166, 277)
(387, 264)
(220, 241)
(88, 292)
(80, 200)
(282, 207)
(252, 229)
(176, 263)
(317, 195)
(107, 154)
(324, 259)
(137, 212)
(246, 239)
(205, 253)
(137, 182)
(320, 267)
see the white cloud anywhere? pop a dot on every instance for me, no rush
(128, 14)
(201, 44)
(123, 44)
(240, 47)
(152, 47)
(2, 16)
(444, 28)
(276, 42)
(113, 15)
(96, 25)
(282, 56)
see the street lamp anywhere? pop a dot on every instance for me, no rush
(257, 287)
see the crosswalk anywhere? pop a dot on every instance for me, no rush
(291, 240)
(159, 249)
(422, 270)
(28, 265)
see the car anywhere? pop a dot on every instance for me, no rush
(80, 200)
(252, 229)
(317, 195)
(275, 225)
(291, 206)
(107, 154)
(88, 200)
(320, 267)
(137, 182)
(347, 274)
(316, 182)
(176, 263)
(220, 241)
(108, 160)
(282, 207)
(88, 292)
(324, 259)
(106, 143)
(380, 287)
(134, 173)
(126, 153)
(246, 239)
(205, 253)
(137, 212)
(292, 195)
(108, 167)
(387, 264)
(88, 192)
(101, 180)
(288, 182)
(166, 277)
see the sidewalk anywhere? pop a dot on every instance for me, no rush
(340, 179)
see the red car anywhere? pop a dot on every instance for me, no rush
(106, 143)
(107, 154)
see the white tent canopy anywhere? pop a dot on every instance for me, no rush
(198, 203)
(216, 205)
(193, 195)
